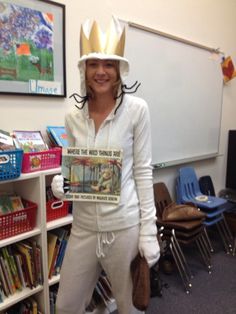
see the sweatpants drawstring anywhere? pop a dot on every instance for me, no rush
(104, 238)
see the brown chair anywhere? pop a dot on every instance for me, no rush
(181, 225)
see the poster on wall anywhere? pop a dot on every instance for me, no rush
(32, 48)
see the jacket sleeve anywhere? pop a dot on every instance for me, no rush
(143, 171)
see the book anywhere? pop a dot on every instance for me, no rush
(57, 135)
(52, 240)
(10, 203)
(16, 202)
(32, 244)
(6, 141)
(18, 259)
(4, 282)
(25, 250)
(52, 267)
(39, 264)
(5, 204)
(25, 270)
(33, 306)
(30, 141)
(8, 256)
(94, 175)
(7, 274)
(61, 255)
(2, 294)
(61, 233)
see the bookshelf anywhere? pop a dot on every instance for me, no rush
(32, 186)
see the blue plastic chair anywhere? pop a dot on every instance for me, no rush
(213, 215)
(188, 191)
(207, 188)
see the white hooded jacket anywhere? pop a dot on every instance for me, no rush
(127, 129)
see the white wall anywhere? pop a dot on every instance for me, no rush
(209, 22)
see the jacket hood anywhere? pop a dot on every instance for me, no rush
(123, 66)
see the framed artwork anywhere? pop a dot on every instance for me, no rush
(32, 48)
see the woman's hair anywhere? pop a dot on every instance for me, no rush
(116, 85)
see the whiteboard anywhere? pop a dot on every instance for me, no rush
(183, 86)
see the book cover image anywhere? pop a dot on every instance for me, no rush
(30, 141)
(59, 135)
(93, 174)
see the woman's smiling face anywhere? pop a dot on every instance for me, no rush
(102, 75)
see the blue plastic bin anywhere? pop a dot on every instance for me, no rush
(10, 164)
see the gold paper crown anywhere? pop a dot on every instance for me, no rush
(111, 43)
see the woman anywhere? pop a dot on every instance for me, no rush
(108, 236)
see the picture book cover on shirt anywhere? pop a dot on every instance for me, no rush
(57, 135)
(93, 174)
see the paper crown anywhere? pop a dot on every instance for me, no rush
(93, 40)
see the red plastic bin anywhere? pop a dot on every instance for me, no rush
(57, 209)
(19, 221)
(41, 160)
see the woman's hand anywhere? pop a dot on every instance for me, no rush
(149, 248)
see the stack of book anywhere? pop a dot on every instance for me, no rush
(57, 136)
(28, 306)
(20, 267)
(57, 242)
(52, 298)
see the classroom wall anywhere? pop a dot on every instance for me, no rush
(209, 22)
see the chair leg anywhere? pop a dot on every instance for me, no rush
(228, 233)
(208, 240)
(234, 246)
(221, 232)
(206, 245)
(182, 262)
(181, 254)
(181, 271)
(177, 258)
(203, 251)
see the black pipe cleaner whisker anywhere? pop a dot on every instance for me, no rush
(127, 90)
(82, 100)
(124, 90)
(132, 86)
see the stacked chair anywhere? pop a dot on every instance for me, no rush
(207, 188)
(180, 225)
(188, 191)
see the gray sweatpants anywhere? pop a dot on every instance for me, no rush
(86, 255)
